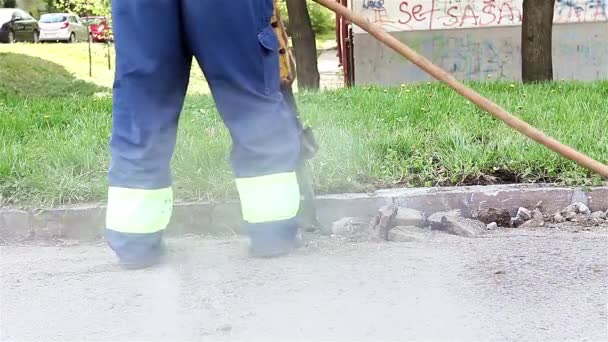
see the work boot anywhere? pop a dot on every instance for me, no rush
(276, 249)
(274, 240)
(146, 262)
(137, 251)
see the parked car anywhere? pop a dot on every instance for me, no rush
(101, 30)
(18, 25)
(62, 27)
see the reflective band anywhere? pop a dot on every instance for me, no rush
(269, 198)
(138, 210)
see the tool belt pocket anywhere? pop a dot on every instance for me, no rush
(269, 44)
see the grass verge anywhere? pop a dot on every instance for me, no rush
(54, 150)
(75, 59)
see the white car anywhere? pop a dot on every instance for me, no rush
(62, 27)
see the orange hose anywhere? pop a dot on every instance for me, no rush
(482, 102)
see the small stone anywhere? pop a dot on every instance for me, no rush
(492, 226)
(580, 218)
(349, 226)
(410, 217)
(452, 222)
(598, 215)
(501, 217)
(533, 223)
(571, 208)
(570, 212)
(406, 234)
(538, 215)
(558, 218)
(582, 208)
(517, 221)
(341, 226)
(435, 219)
(577, 208)
(569, 216)
(524, 214)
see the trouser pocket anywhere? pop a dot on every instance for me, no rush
(269, 46)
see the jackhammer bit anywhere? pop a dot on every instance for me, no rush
(307, 215)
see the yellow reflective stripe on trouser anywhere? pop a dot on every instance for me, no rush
(269, 198)
(138, 210)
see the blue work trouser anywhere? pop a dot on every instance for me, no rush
(237, 49)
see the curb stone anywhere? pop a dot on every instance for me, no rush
(87, 222)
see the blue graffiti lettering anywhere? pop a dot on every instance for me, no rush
(373, 4)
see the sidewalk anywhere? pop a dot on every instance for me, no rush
(330, 71)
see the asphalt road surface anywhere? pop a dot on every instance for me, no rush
(512, 286)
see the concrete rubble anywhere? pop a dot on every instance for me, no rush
(401, 224)
(410, 217)
(407, 234)
(349, 226)
(384, 221)
(492, 226)
(523, 214)
(454, 223)
(598, 215)
(393, 223)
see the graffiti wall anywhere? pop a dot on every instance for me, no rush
(478, 39)
(408, 15)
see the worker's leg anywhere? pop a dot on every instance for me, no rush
(238, 50)
(152, 71)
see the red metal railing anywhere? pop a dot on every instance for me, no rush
(345, 46)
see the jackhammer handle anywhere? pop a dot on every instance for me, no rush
(482, 102)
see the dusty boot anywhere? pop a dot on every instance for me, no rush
(273, 240)
(139, 252)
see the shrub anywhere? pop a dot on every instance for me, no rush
(322, 19)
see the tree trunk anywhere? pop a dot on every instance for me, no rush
(304, 45)
(536, 32)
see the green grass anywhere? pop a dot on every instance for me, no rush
(27, 76)
(53, 150)
(55, 126)
(75, 59)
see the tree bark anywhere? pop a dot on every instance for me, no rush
(536, 33)
(304, 45)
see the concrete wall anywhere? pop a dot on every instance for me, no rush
(478, 39)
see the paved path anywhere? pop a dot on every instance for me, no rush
(508, 287)
(330, 70)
